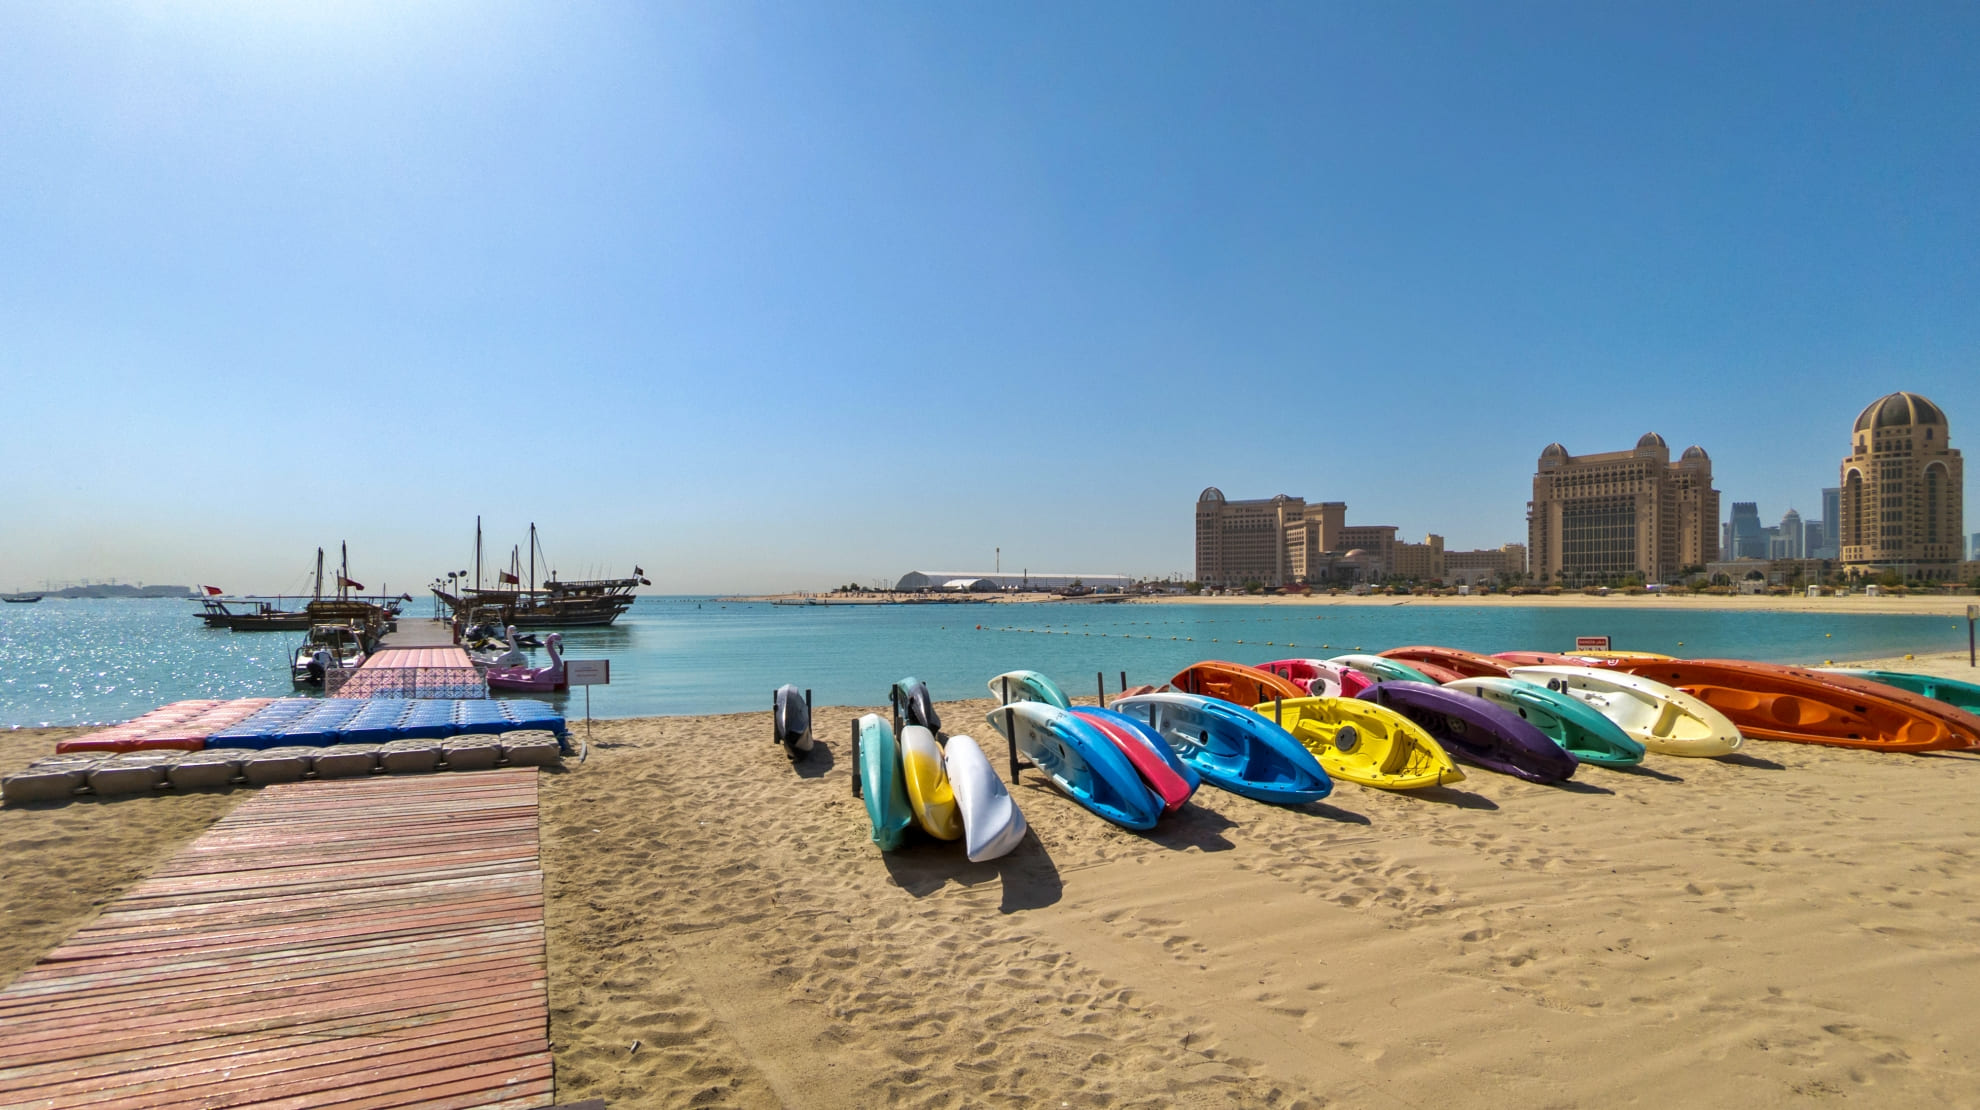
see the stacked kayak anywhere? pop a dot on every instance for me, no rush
(915, 780)
(1161, 770)
(1028, 686)
(1234, 683)
(1231, 747)
(1464, 664)
(883, 783)
(1322, 678)
(1382, 669)
(1362, 742)
(1477, 731)
(1082, 762)
(1962, 695)
(1663, 719)
(1770, 702)
(1569, 722)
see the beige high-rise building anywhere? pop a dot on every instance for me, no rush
(1599, 517)
(1271, 540)
(1903, 491)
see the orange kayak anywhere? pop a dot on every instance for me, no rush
(1466, 664)
(1771, 702)
(1234, 683)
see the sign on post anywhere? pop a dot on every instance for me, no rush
(587, 673)
(1591, 643)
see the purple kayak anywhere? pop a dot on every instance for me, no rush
(1476, 731)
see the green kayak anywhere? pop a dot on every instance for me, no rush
(1964, 695)
(881, 783)
(1569, 721)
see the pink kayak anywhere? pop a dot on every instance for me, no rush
(1153, 769)
(1322, 678)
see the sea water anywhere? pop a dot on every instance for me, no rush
(68, 662)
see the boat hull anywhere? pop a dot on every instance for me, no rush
(1384, 670)
(1568, 721)
(992, 823)
(1362, 742)
(1466, 664)
(1663, 719)
(1476, 731)
(882, 785)
(1028, 686)
(929, 793)
(1234, 683)
(1231, 747)
(1321, 678)
(1769, 702)
(1960, 695)
(792, 723)
(1161, 770)
(1081, 762)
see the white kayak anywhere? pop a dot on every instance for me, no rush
(992, 823)
(1662, 718)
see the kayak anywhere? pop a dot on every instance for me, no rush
(1476, 731)
(1320, 677)
(1234, 683)
(1467, 664)
(1080, 761)
(992, 823)
(791, 721)
(916, 707)
(929, 794)
(881, 784)
(1231, 747)
(1362, 742)
(1769, 702)
(1568, 721)
(1157, 764)
(1384, 670)
(1663, 719)
(1963, 695)
(1028, 686)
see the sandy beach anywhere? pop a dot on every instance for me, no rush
(1782, 925)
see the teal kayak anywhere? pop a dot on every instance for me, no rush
(1567, 720)
(882, 784)
(1028, 686)
(1963, 695)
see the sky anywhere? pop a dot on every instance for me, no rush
(780, 296)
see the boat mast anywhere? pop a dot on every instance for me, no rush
(344, 572)
(477, 551)
(317, 591)
(532, 556)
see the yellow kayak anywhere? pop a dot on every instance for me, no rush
(1363, 742)
(928, 790)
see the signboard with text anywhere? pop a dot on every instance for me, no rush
(1591, 643)
(588, 672)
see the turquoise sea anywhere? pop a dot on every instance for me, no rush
(76, 662)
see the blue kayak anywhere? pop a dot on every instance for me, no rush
(1080, 761)
(1150, 739)
(1232, 747)
(882, 785)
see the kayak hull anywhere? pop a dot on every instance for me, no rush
(1234, 683)
(1466, 664)
(1161, 770)
(1362, 742)
(1320, 678)
(1384, 670)
(882, 786)
(1476, 731)
(927, 779)
(1080, 761)
(1568, 721)
(1028, 686)
(1769, 702)
(1232, 747)
(1662, 718)
(992, 823)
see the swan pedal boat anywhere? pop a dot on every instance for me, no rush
(1028, 686)
(882, 785)
(1476, 731)
(1320, 677)
(1232, 747)
(1466, 664)
(992, 823)
(1663, 719)
(1568, 721)
(521, 676)
(930, 796)
(1771, 702)
(1385, 670)
(1082, 762)
(1362, 742)
(1234, 683)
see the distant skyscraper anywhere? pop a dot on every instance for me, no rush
(1903, 491)
(1749, 540)
(1726, 538)
(1791, 535)
(1831, 522)
(1973, 549)
(1815, 537)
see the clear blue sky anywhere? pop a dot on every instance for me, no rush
(777, 296)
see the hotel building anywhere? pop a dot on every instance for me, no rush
(1600, 517)
(1903, 492)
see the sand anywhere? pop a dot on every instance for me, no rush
(1787, 924)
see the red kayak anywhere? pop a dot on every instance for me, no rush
(1153, 769)
(1234, 683)
(1467, 664)
(1322, 678)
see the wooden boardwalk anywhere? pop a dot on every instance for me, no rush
(351, 944)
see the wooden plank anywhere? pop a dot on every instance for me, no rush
(350, 944)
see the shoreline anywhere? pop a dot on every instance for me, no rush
(1852, 604)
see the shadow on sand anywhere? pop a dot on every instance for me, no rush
(1574, 786)
(1331, 813)
(814, 763)
(1741, 759)
(1030, 878)
(1645, 772)
(1446, 796)
(1192, 827)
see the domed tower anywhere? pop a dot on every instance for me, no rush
(1903, 491)
(1621, 516)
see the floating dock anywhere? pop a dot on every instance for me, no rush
(362, 943)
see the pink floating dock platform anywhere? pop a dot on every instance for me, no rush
(360, 943)
(416, 672)
(181, 726)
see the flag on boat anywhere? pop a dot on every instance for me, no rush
(638, 572)
(347, 584)
(509, 579)
(213, 591)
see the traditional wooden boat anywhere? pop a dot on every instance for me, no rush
(1772, 702)
(556, 603)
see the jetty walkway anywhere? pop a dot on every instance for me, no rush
(350, 943)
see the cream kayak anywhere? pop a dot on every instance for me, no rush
(1662, 718)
